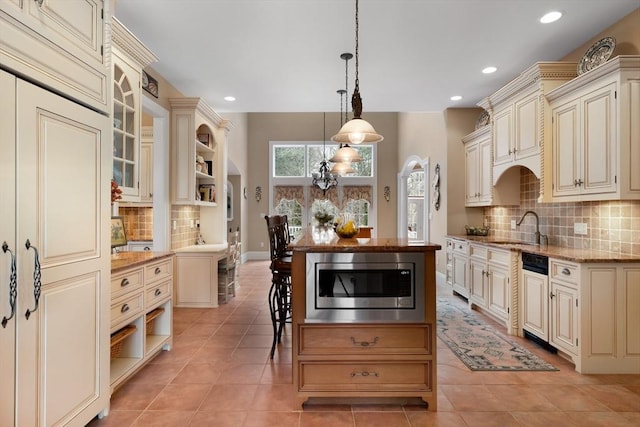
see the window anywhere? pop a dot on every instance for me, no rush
(415, 206)
(124, 131)
(292, 194)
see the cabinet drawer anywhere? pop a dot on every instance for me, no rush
(565, 271)
(373, 339)
(159, 271)
(374, 376)
(126, 308)
(127, 282)
(499, 257)
(460, 247)
(479, 252)
(157, 294)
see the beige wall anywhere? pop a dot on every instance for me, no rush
(266, 127)
(238, 154)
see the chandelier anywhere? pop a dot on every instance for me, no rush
(357, 130)
(324, 179)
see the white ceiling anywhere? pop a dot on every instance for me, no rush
(284, 55)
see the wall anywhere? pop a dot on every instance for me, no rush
(265, 127)
(138, 222)
(238, 154)
(611, 226)
(184, 234)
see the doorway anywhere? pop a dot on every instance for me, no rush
(413, 200)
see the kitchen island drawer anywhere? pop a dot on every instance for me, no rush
(126, 282)
(365, 339)
(157, 294)
(158, 271)
(373, 376)
(126, 308)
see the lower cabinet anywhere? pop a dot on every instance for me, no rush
(141, 316)
(588, 312)
(197, 279)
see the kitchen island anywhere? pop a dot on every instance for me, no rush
(365, 356)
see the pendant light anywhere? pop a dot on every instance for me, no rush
(345, 155)
(357, 130)
(324, 179)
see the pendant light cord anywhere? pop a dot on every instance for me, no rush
(356, 100)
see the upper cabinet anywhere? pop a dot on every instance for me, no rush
(520, 116)
(480, 190)
(58, 43)
(130, 56)
(596, 134)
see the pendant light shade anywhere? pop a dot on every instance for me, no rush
(346, 154)
(342, 169)
(356, 131)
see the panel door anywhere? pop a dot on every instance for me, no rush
(460, 275)
(535, 304)
(527, 130)
(477, 288)
(471, 163)
(599, 140)
(63, 179)
(564, 317)
(499, 291)
(502, 137)
(485, 185)
(8, 236)
(566, 149)
(146, 173)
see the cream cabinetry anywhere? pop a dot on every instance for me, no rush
(479, 188)
(596, 137)
(197, 278)
(55, 262)
(59, 43)
(521, 118)
(460, 267)
(129, 57)
(146, 166)
(588, 311)
(141, 302)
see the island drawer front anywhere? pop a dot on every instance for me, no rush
(157, 294)
(565, 271)
(158, 271)
(373, 376)
(126, 282)
(365, 339)
(126, 308)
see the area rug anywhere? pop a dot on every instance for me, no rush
(480, 346)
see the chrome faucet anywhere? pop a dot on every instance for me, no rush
(537, 225)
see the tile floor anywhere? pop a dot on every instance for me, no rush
(219, 374)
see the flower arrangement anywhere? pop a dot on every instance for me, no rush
(322, 212)
(116, 192)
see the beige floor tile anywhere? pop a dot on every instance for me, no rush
(180, 397)
(229, 397)
(326, 419)
(489, 419)
(135, 396)
(381, 419)
(164, 419)
(218, 419)
(272, 419)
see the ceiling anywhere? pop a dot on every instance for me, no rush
(284, 55)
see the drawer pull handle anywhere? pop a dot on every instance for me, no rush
(125, 308)
(364, 374)
(365, 343)
(158, 292)
(125, 282)
(37, 276)
(566, 271)
(13, 285)
(158, 271)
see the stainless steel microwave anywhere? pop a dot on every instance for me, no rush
(365, 287)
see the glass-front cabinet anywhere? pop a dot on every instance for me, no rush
(129, 58)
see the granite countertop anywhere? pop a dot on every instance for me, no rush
(207, 247)
(569, 254)
(331, 243)
(123, 260)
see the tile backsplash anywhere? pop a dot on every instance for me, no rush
(138, 222)
(611, 226)
(184, 235)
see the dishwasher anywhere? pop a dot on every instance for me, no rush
(535, 325)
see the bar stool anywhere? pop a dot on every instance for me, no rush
(280, 291)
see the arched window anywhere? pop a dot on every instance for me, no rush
(415, 205)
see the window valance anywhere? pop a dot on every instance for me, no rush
(288, 192)
(357, 192)
(331, 195)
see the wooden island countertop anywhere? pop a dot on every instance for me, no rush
(306, 243)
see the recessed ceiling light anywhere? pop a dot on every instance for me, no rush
(551, 17)
(489, 70)
(456, 98)
(230, 98)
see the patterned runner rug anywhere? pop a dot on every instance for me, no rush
(478, 345)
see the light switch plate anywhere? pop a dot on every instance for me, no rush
(580, 228)
(513, 224)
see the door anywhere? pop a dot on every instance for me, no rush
(564, 317)
(485, 186)
(63, 173)
(502, 136)
(527, 132)
(566, 149)
(498, 291)
(7, 254)
(477, 289)
(460, 274)
(471, 163)
(535, 304)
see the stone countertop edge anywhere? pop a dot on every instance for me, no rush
(569, 254)
(306, 244)
(123, 260)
